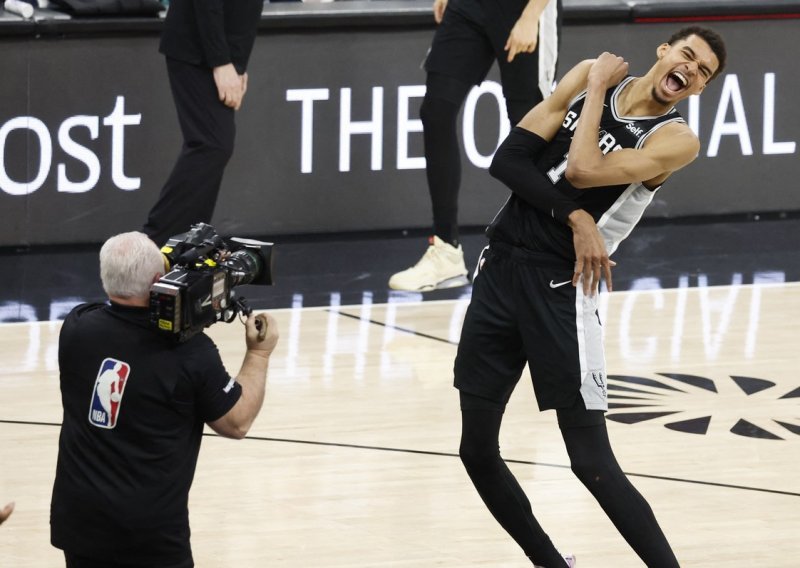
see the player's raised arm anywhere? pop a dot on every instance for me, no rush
(671, 148)
(514, 162)
(545, 118)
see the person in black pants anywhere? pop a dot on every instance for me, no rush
(135, 402)
(582, 167)
(207, 46)
(522, 35)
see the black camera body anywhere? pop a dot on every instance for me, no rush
(202, 270)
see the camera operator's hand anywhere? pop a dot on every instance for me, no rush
(264, 339)
(5, 512)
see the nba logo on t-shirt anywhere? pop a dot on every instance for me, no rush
(107, 395)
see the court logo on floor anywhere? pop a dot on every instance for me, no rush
(745, 406)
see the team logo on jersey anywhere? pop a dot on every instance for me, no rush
(107, 395)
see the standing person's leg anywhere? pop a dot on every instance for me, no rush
(460, 57)
(593, 462)
(444, 97)
(488, 366)
(520, 87)
(530, 76)
(442, 265)
(190, 193)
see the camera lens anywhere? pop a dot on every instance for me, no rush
(245, 266)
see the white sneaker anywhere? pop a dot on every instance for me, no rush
(442, 266)
(569, 559)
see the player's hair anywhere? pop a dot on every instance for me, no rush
(712, 38)
(128, 264)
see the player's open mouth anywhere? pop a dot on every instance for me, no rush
(676, 81)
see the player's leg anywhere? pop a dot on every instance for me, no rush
(488, 365)
(460, 57)
(443, 99)
(562, 333)
(496, 485)
(190, 192)
(520, 87)
(442, 265)
(593, 462)
(530, 76)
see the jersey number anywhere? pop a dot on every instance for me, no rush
(607, 144)
(555, 173)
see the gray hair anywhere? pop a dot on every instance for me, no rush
(129, 262)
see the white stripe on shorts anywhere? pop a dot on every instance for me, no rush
(590, 349)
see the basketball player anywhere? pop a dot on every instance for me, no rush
(522, 35)
(582, 166)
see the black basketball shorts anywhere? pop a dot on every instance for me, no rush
(524, 309)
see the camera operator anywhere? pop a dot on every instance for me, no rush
(120, 497)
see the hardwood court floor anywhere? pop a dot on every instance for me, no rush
(352, 461)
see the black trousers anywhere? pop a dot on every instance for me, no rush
(190, 193)
(465, 46)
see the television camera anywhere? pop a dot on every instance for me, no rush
(202, 269)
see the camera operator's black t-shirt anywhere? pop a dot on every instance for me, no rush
(134, 404)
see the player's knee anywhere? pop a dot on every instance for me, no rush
(592, 474)
(585, 472)
(435, 110)
(219, 152)
(476, 459)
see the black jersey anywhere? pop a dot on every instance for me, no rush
(616, 209)
(134, 407)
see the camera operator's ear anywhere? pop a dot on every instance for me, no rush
(157, 277)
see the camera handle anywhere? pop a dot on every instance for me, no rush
(261, 326)
(244, 309)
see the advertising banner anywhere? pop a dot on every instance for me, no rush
(329, 137)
